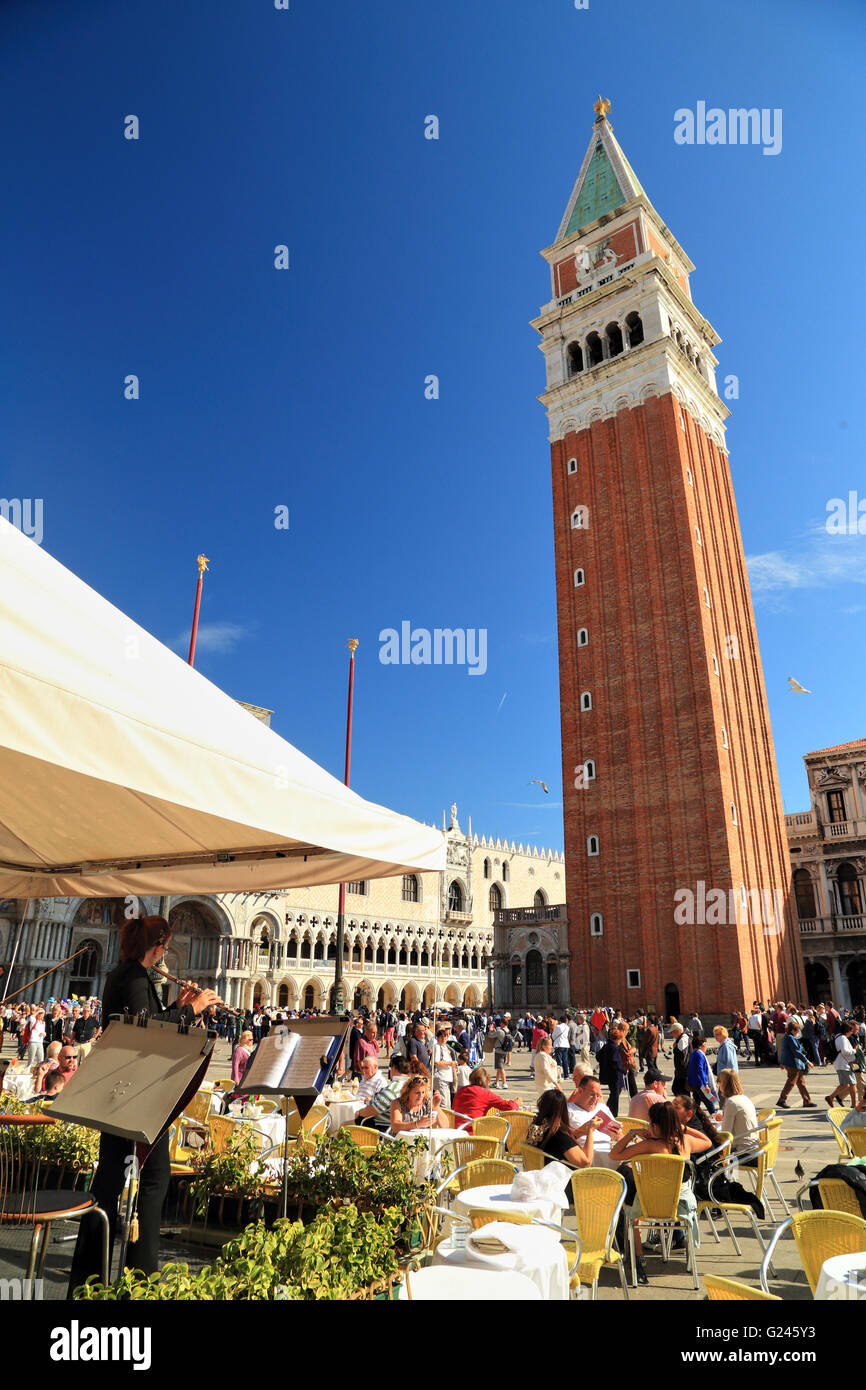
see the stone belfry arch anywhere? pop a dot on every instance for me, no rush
(668, 763)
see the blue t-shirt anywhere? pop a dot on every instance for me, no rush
(699, 1072)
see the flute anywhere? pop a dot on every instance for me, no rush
(187, 984)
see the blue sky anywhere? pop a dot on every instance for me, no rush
(305, 388)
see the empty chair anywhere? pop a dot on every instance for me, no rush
(733, 1291)
(819, 1235)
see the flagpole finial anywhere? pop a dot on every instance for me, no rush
(353, 645)
(601, 107)
(203, 563)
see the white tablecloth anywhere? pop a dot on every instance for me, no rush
(452, 1284)
(342, 1112)
(19, 1084)
(274, 1126)
(541, 1257)
(843, 1277)
(428, 1163)
(498, 1198)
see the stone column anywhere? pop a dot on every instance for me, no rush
(841, 997)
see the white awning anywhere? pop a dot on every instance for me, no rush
(125, 771)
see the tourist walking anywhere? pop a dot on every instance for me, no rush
(793, 1060)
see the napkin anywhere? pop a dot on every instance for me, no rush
(545, 1184)
(498, 1237)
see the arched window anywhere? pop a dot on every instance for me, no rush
(283, 996)
(586, 700)
(594, 350)
(401, 955)
(464, 960)
(455, 897)
(613, 333)
(734, 814)
(534, 978)
(849, 891)
(410, 888)
(572, 465)
(455, 961)
(634, 328)
(319, 950)
(305, 948)
(392, 955)
(592, 845)
(580, 519)
(368, 953)
(506, 872)
(579, 578)
(309, 997)
(539, 900)
(805, 894)
(596, 924)
(724, 737)
(495, 898)
(582, 637)
(487, 868)
(706, 598)
(332, 949)
(425, 959)
(574, 357)
(356, 952)
(589, 770)
(413, 958)
(380, 954)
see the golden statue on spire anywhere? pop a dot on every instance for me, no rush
(601, 107)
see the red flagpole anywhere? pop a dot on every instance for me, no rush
(202, 566)
(340, 1004)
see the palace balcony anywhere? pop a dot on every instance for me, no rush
(801, 823)
(832, 926)
(518, 916)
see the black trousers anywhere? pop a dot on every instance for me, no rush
(107, 1187)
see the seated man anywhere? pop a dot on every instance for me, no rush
(585, 1105)
(376, 1114)
(654, 1091)
(67, 1061)
(372, 1079)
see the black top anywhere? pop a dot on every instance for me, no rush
(129, 987)
(557, 1145)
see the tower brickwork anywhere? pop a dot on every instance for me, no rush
(677, 872)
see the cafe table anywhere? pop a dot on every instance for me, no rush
(343, 1112)
(534, 1251)
(428, 1162)
(452, 1284)
(497, 1198)
(842, 1278)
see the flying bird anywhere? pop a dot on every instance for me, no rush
(797, 687)
(543, 785)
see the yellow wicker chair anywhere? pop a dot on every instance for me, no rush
(493, 1127)
(199, 1108)
(315, 1120)
(533, 1158)
(766, 1115)
(455, 1121)
(366, 1139)
(758, 1168)
(465, 1150)
(268, 1107)
(836, 1115)
(221, 1131)
(733, 1291)
(598, 1195)
(836, 1195)
(478, 1218)
(478, 1172)
(223, 1083)
(519, 1122)
(819, 1235)
(856, 1138)
(659, 1179)
(630, 1122)
(773, 1129)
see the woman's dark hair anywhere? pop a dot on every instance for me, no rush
(139, 935)
(552, 1115)
(665, 1120)
(417, 1068)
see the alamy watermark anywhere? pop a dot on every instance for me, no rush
(846, 518)
(443, 646)
(21, 1290)
(720, 907)
(736, 126)
(25, 514)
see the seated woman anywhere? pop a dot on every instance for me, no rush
(414, 1108)
(551, 1131)
(739, 1114)
(666, 1136)
(476, 1099)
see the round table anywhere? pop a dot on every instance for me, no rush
(274, 1126)
(537, 1252)
(427, 1163)
(843, 1277)
(19, 1084)
(342, 1112)
(449, 1284)
(498, 1198)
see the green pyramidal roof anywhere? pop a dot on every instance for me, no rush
(600, 190)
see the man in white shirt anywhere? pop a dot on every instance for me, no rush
(560, 1045)
(584, 1104)
(372, 1079)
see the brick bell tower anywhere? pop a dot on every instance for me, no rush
(677, 868)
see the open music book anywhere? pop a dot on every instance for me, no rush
(290, 1062)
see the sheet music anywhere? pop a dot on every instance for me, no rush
(306, 1062)
(271, 1061)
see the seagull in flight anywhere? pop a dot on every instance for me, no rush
(536, 783)
(797, 687)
